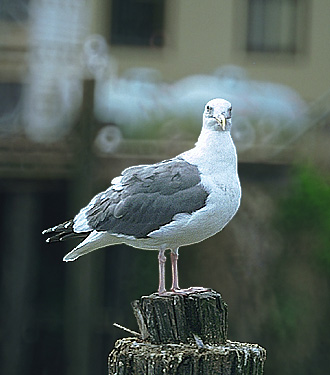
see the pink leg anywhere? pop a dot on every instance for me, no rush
(175, 275)
(161, 263)
(175, 278)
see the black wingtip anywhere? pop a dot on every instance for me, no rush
(46, 231)
(59, 231)
(62, 232)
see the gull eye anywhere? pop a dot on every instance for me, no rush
(208, 108)
(229, 111)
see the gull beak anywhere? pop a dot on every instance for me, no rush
(221, 120)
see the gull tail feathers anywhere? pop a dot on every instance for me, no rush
(94, 241)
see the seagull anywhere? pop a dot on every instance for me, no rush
(167, 205)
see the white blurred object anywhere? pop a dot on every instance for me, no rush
(108, 139)
(263, 112)
(141, 88)
(50, 108)
(54, 91)
(97, 59)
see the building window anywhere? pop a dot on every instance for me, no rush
(14, 10)
(276, 25)
(137, 22)
(10, 94)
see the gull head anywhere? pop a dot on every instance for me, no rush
(217, 115)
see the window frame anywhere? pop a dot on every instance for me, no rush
(123, 13)
(280, 44)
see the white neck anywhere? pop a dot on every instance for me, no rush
(213, 150)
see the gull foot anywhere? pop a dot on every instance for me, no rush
(192, 289)
(179, 291)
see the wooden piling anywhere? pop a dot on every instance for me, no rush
(184, 334)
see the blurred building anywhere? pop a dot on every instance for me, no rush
(278, 41)
(148, 62)
(166, 58)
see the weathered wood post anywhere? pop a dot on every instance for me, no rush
(184, 334)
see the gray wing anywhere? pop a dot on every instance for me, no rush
(146, 198)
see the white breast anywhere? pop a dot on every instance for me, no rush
(220, 179)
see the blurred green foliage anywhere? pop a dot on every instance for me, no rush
(304, 213)
(297, 334)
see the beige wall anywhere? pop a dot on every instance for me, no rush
(308, 72)
(203, 35)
